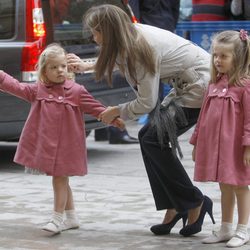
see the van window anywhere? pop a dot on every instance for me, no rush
(7, 18)
(67, 18)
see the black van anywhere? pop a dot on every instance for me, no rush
(26, 27)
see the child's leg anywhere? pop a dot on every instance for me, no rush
(225, 232)
(243, 203)
(70, 200)
(243, 200)
(71, 221)
(227, 202)
(60, 187)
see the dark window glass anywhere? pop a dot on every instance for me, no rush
(7, 18)
(67, 17)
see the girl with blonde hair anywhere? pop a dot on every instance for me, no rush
(222, 135)
(53, 138)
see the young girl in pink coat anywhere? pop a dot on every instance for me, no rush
(222, 135)
(53, 138)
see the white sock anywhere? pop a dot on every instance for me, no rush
(242, 228)
(57, 217)
(226, 227)
(70, 214)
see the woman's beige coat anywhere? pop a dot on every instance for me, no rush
(180, 62)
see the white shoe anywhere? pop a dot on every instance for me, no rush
(239, 239)
(52, 227)
(218, 236)
(70, 224)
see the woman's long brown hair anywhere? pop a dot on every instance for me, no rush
(120, 40)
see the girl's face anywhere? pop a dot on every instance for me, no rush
(223, 58)
(97, 37)
(56, 69)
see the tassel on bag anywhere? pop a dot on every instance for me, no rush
(165, 120)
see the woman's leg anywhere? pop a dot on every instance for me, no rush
(158, 193)
(157, 188)
(170, 184)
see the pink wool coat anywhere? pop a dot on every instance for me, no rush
(53, 138)
(221, 133)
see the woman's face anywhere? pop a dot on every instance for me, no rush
(97, 37)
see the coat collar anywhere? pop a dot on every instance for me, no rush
(68, 84)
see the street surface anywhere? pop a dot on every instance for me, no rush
(114, 204)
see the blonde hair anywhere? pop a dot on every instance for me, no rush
(51, 51)
(119, 38)
(241, 56)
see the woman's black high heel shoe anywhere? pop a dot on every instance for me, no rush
(207, 207)
(161, 229)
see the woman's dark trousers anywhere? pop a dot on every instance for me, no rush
(170, 184)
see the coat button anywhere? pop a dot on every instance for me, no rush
(60, 97)
(214, 90)
(224, 90)
(51, 96)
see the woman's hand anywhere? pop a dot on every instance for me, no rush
(119, 123)
(109, 114)
(246, 156)
(76, 65)
(193, 153)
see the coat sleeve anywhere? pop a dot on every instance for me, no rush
(89, 104)
(246, 110)
(146, 96)
(12, 86)
(146, 99)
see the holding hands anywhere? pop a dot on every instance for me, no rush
(119, 123)
(111, 116)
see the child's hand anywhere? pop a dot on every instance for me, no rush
(246, 156)
(193, 153)
(119, 123)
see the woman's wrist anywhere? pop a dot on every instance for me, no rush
(116, 111)
(88, 67)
